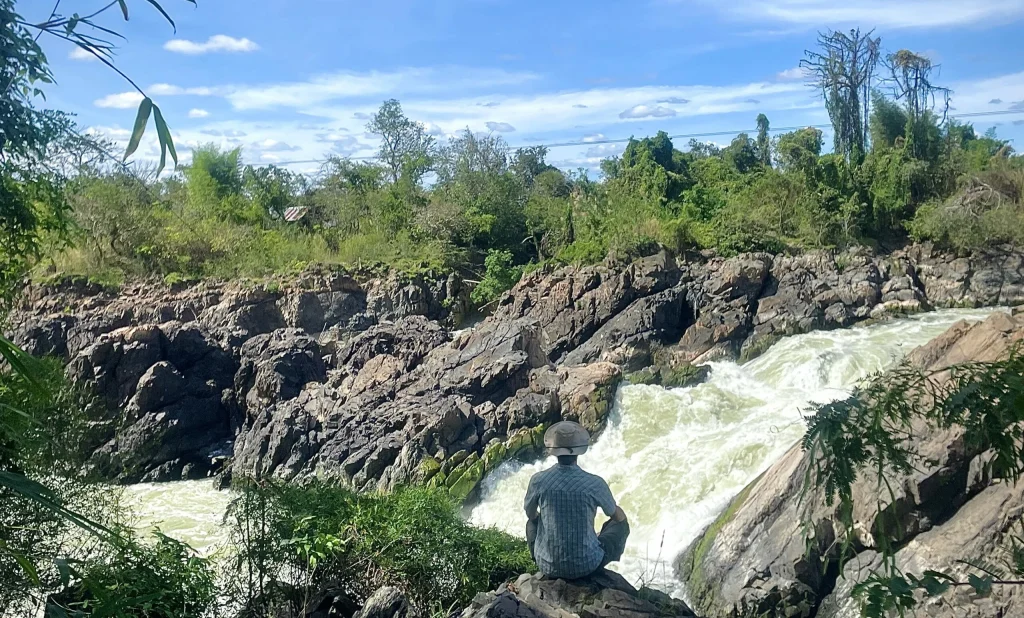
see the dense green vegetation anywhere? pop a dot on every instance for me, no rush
(297, 540)
(900, 171)
(491, 210)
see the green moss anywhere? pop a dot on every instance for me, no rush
(647, 375)
(683, 375)
(464, 479)
(429, 468)
(758, 348)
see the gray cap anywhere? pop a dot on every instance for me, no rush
(566, 438)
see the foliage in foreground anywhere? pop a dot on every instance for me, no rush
(867, 435)
(318, 535)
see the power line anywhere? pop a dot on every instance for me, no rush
(624, 140)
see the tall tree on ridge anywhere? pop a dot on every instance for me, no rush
(843, 70)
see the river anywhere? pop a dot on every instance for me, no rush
(673, 457)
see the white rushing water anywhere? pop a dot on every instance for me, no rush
(673, 457)
(190, 511)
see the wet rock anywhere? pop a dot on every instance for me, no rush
(387, 602)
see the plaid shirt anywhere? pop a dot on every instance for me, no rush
(567, 499)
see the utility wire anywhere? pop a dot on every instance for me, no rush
(623, 140)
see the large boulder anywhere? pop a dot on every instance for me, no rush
(276, 366)
(169, 390)
(387, 602)
(628, 338)
(572, 303)
(757, 559)
(244, 313)
(605, 594)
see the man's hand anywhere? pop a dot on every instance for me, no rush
(619, 515)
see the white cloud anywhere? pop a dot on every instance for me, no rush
(500, 127)
(593, 110)
(172, 90)
(433, 129)
(593, 137)
(603, 151)
(874, 13)
(121, 100)
(216, 43)
(324, 89)
(273, 145)
(794, 74)
(80, 54)
(648, 111)
(198, 113)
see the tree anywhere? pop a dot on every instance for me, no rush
(764, 143)
(910, 76)
(799, 150)
(405, 145)
(528, 163)
(271, 189)
(742, 154)
(888, 122)
(843, 71)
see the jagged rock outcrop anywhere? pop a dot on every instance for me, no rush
(362, 377)
(173, 386)
(756, 558)
(604, 594)
(572, 303)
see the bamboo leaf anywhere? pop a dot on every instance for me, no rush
(141, 119)
(157, 6)
(124, 8)
(166, 141)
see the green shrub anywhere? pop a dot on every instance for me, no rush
(413, 538)
(163, 579)
(501, 275)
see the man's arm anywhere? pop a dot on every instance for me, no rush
(531, 503)
(608, 504)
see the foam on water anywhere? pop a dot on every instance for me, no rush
(190, 511)
(675, 457)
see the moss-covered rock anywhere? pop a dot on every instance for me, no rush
(428, 468)
(684, 374)
(461, 473)
(647, 375)
(690, 562)
(675, 376)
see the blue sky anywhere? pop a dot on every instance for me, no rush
(294, 80)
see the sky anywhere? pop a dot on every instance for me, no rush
(297, 80)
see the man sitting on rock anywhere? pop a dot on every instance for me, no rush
(561, 504)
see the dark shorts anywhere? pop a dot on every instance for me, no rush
(613, 540)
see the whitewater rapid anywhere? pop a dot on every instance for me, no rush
(673, 457)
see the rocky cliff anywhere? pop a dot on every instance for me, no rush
(364, 379)
(758, 559)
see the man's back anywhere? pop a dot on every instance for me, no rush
(567, 499)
